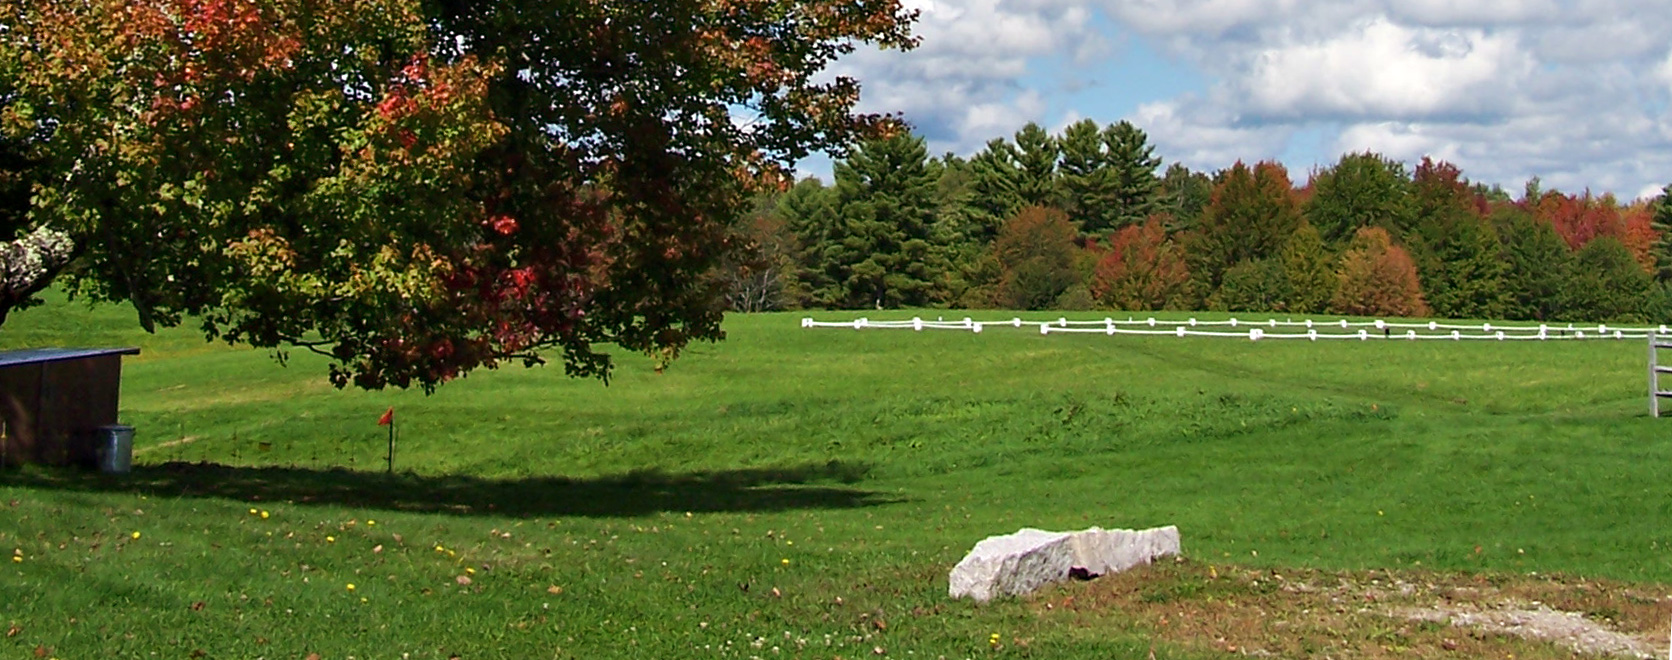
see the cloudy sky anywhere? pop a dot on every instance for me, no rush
(1573, 91)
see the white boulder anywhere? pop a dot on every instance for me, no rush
(1016, 564)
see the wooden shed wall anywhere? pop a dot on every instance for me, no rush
(49, 409)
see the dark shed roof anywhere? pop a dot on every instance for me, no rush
(40, 355)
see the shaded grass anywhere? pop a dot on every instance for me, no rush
(661, 509)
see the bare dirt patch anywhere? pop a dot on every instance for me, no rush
(1371, 614)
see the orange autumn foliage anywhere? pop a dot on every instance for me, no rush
(1143, 270)
(1579, 219)
(1378, 278)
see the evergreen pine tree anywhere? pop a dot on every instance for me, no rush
(1132, 163)
(1037, 154)
(1456, 251)
(1183, 195)
(809, 208)
(1661, 221)
(995, 181)
(1536, 262)
(1087, 183)
(887, 197)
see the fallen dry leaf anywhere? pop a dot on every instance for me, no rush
(197, 606)
(462, 579)
(377, 548)
(554, 590)
(13, 631)
(312, 656)
(42, 651)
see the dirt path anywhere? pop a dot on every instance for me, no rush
(1372, 614)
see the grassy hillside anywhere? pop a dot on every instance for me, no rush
(804, 487)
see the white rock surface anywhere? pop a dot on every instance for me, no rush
(1015, 564)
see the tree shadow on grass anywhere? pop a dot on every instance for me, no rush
(635, 493)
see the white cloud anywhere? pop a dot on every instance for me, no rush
(1575, 91)
(1381, 69)
(963, 85)
(1456, 13)
(1200, 136)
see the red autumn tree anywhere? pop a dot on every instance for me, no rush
(1143, 270)
(1378, 278)
(1639, 236)
(1036, 251)
(414, 189)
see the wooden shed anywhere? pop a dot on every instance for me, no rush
(53, 400)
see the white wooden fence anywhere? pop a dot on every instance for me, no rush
(1270, 328)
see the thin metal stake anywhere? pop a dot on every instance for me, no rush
(391, 445)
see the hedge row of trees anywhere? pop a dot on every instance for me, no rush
(1082, 220)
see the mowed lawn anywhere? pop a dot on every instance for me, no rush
(802, 493)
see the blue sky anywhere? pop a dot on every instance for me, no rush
(1573, 91)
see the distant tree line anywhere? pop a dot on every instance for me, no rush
(1088, 219)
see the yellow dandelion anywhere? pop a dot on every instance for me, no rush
(263, 515)
(17, 559)
(371, 523)
(351, 586)
(252, 512)
(786, 561)
(470, 570)
(136, 536)
(363, 599)
(440, 549)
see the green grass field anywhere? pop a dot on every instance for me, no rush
(802, 493)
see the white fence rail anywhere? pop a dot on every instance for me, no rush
(1271, 328)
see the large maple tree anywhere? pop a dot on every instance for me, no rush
(414, 188)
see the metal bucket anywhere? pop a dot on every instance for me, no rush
(114, 448)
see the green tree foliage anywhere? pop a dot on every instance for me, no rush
(887, 251)
(1309, 269)
(1606, 284)
(1378, 278)
(1133, 161)
(1261, 285)
(1088, 186)
(1107, 176)
(1361, 190)
(1536, 263)
(416, 189)
(955, 200)
(811, 212)
(1036, 252)
(1661, 223)
(995, 181)
(1184, 195)
(1144, 270)
(1456, 250)
(1037, 153)
(1251, 216)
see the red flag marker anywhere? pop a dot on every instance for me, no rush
(387, 418)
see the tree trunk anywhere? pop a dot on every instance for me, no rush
(28, 264)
